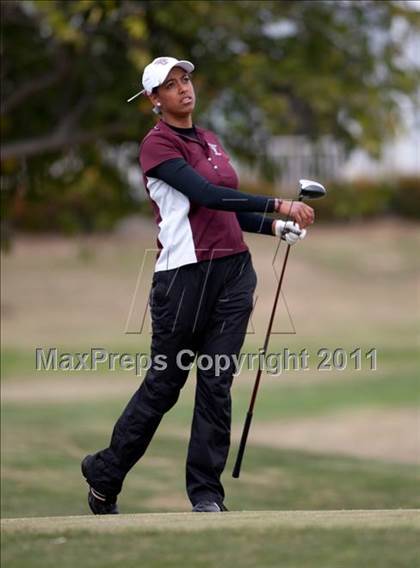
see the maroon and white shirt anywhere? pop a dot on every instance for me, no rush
(188, 232)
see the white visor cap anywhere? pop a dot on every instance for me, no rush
(156, 72)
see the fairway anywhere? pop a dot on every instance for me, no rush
(330, 476)
(264, 539)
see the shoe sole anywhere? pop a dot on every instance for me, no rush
(206, 509)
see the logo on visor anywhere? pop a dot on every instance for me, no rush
(161, 61)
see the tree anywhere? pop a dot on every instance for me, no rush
(264, 68)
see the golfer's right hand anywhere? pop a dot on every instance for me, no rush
(298, 211)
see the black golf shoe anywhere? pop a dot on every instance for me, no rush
(208, 507)
(99, 503)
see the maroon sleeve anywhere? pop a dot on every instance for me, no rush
(156, 149)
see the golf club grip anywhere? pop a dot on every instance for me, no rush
(238, 463)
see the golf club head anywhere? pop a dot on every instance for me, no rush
(309, 189)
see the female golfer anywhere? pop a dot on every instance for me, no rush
(202, 291)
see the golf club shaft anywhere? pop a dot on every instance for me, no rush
(310, 190)
(237, 468)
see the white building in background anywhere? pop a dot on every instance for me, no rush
(297, 157)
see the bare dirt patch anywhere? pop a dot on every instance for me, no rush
(67, 389)
(386, 434)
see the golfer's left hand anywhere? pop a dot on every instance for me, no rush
(293, 238)
(289, 231)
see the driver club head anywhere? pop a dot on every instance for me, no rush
(309, 189)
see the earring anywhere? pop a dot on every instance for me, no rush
(158, 104)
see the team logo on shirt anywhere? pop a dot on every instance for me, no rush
(213, 148)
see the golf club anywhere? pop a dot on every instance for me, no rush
(308, 189)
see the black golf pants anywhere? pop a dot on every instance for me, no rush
(198, 309)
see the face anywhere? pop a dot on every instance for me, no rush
(176, 95)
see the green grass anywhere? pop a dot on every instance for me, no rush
(43, 445)
(257, 543)
(311, 399)
(44, 442)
